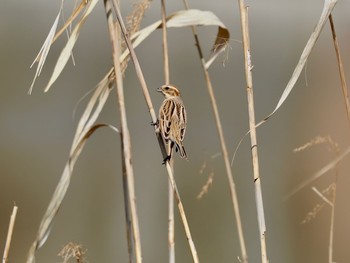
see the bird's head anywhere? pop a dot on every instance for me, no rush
(169, 91)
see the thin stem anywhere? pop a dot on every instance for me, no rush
(252, 127)
(126, 141)
(340, 67)
(9, 234)
(331, 229)
(159, 137)
(182, 214)
(171, 218)
(129, 235)
(224, 151)
(165, 45)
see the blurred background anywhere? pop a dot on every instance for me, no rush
(36, 132)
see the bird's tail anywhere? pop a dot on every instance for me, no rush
(181, 149)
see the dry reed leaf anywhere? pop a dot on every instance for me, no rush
(67, 50)
(60, 191)
(89, 116)
(52, 37)
(85, 129)
(44, 51)
(326, 11)
(73, 16)
(187, 18)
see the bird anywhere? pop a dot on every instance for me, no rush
(172, 120)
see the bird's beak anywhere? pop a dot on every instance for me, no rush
(159, 89)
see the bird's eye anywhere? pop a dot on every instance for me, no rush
(166, 88)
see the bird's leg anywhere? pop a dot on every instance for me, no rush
(170, 150)
(155, 123)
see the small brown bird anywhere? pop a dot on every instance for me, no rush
(172, 120)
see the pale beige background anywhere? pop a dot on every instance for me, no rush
(36, 132)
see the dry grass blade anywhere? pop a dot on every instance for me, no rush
(52, 37)
(318, 174)
(221, 42)
(44, 51)
(326, 11)
(94, 106)
(9, 234)
(74, 15)
(67, 50)
(84, 130)
(60, 192)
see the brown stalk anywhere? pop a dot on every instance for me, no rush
(347, 105)
(232, 187)
(340, 67)
(159, 137)
(252, 127)
(130, 204)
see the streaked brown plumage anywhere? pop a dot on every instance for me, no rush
(173, 119)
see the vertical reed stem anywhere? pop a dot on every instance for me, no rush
(231, 184)
(252, 127)
(126, 141)
(171, 218)
(9, 234)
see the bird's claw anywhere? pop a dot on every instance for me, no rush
(166, 159)
(155, 123)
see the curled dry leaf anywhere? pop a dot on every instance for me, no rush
(59, 194)
(85, 129)
(187, 18)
